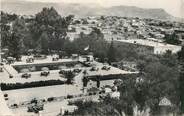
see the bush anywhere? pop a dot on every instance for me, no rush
(34, 101)
(50, 99)
(5, 95)
(94, 93)
(12, 86)
(69, 96)
(15, 105)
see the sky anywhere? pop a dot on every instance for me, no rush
(173, 7)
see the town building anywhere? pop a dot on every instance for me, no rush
(147, 46)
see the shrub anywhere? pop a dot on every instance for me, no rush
(50, 99)
(15, 105)
(43, 100)
(94, 93)
(69, 96)
(5, 95)
(5, 86)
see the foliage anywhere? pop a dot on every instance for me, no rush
(96, 42)
(10, 86)
(69, 75)
(111, 54)
(182, 89)
(17, 37)
(172, 39)
(49, 29)
(5, 25)
(160, 79)
(45, 32)
(181, 79)
(85, 81)
(181, 54)
(95, 109)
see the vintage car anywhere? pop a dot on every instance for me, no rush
(35, 108)
(39, 57)
(94, 69)
(106, 68)
(77, 70)
(30, 60)
(26, 75)
(44, 73)
(10, 76)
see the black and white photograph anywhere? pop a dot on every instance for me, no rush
(92, 58)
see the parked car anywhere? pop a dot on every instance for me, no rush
(55, 59)
(30, 60)
(35, 108)
(40, 57)
(44, 73)
(77, 70)
(61, 72)
(94, 69)
(106, 68)
(10, 76)
(26, 75)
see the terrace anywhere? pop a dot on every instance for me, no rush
(25, 95)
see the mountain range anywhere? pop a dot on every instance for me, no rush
(83, 10)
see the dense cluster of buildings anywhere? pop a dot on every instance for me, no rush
(148, 34)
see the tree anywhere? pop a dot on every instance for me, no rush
(169, 59)
(181, 79)
(172, 39)
(14, 46)
(98, 81)
(17, 37)
(141, 66)
(111, 53)
(69, 75)
(44, 43)
(52, 25)
(95, 109)
(35, 106)
(85, 81)
(6, 28)
(181, 89)
(181, 54)
(96, 42)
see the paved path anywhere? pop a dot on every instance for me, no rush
(4, 110)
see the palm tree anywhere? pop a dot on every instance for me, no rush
(69, 75)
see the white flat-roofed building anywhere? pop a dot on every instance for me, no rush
(158, 47)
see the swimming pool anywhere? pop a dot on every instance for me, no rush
(50, 66)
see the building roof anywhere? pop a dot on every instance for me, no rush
(165, 102)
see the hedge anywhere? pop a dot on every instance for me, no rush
(112, 76)
(11, 86)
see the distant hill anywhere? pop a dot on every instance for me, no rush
(82, 10)
(30, 8)
(132, 11)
